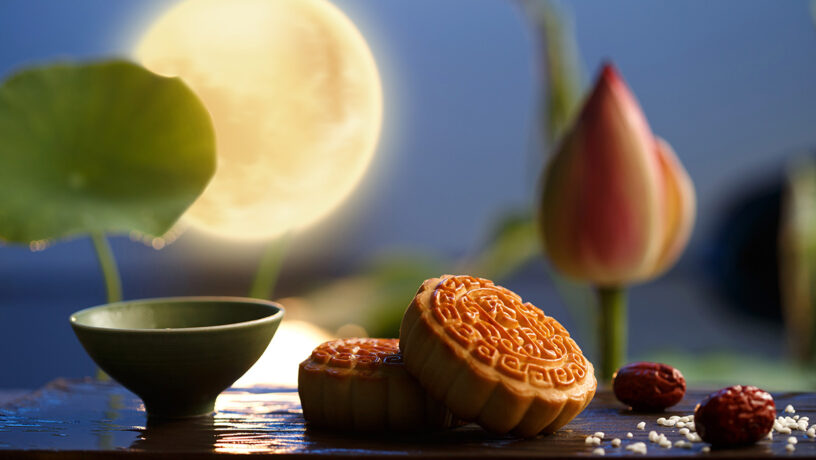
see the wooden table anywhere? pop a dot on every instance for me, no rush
(89, 419)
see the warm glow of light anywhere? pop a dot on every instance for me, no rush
(278, 366)
(296, 101)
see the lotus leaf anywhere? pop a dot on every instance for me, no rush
(99, 147)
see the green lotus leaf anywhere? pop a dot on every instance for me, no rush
(99, 147)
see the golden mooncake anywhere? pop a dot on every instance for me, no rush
(493, 359)
(362, 385)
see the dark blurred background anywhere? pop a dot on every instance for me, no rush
(730, 84)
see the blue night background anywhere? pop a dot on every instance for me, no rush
(730, 84)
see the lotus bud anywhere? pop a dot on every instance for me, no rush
(617, 206)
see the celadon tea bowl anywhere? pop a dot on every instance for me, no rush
(179, 353)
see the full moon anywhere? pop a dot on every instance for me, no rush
(295, 98)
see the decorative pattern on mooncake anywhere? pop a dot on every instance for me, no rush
(493, 359)
(362, 385)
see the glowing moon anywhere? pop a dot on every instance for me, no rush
(296, 101)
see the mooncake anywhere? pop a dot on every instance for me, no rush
(493, 359)
(361, 384)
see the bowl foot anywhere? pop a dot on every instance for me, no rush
(175, 410)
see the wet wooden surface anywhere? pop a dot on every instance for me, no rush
(93, 420)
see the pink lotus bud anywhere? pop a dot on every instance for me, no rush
(617, 205)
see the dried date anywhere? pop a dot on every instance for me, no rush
(735, 416)
(649, 387)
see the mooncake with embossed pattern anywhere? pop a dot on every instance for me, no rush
(492, 358)
(361, 384)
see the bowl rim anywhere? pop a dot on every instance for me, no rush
(276, 316)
